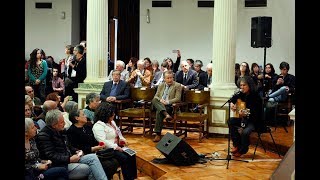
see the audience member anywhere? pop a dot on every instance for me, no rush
(37, 72)
(35, 168)
(167, 93)
(187, 77)
(141, 76)
(283, 84)
(80, 136)
(92, 101)
(105, 130)
(79, 165)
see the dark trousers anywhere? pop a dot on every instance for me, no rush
(159, 107)
(128, 165)
(240, 138)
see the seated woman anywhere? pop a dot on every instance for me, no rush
(242, 126)
(80, 136)
(92, 101)
(105, 130)
(35, 168)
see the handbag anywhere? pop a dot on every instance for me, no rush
(105, 153)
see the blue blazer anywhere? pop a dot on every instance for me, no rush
(123, 90)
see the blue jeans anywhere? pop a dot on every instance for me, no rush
(56, 173)
(88, 166)
(279, 95)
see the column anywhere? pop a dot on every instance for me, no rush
(224, 53)
(97, 49)
(97, 41)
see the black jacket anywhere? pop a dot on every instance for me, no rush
(53, 145)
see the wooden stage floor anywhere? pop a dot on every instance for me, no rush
(262, 167)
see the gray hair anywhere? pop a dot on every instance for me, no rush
(121, 63)
(209, 65)
(70, 105)
(91, 97)
(198, 62)
(27, 124)
(52, 117)
(26, 97)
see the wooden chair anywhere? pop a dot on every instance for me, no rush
(139, 111)
(282, 112)
(187, 121)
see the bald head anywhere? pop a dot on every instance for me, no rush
(49, 105)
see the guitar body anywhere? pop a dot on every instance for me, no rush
(241, 105)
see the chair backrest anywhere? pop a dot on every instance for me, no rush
(197, 97)
(142, 93)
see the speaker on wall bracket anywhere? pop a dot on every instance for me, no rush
(261, 32)
(177, 151)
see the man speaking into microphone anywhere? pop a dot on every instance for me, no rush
(247, 106)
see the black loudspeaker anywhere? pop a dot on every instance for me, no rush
(177, 151)
(261, 31)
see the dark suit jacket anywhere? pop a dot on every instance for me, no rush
(123, 90)
(192, 80)
(203, 80)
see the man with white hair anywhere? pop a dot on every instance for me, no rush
(141, 76)
(120, 65)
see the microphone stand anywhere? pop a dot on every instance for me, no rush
(229, 137)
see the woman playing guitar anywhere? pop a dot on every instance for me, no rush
(247, 106)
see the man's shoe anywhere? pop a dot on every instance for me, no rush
(234, 150)
(168, 118)
(157, 138)
(237, 154)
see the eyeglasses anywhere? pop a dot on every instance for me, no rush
(30, 91)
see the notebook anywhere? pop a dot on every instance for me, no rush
(129, 151)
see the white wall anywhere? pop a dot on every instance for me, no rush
(45, 28)
(186, 27)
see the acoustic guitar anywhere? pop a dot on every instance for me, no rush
(241, 106)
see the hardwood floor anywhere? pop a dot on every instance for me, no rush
(262, 167)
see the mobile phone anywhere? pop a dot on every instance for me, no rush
(174, 51)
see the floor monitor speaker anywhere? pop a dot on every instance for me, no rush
(177, 151)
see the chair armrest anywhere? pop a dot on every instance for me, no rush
(122, 101)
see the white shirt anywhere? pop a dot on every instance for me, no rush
(104, 132)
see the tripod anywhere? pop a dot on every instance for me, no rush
(229, 137)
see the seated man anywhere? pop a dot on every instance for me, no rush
(187, 77)
(167, 93)
(116, 89)
(52, 145)
(282, 85)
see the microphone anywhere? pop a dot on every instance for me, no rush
(236, 92)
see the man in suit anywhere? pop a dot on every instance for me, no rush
(187, 77)
(116, 89)
(167, 93)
